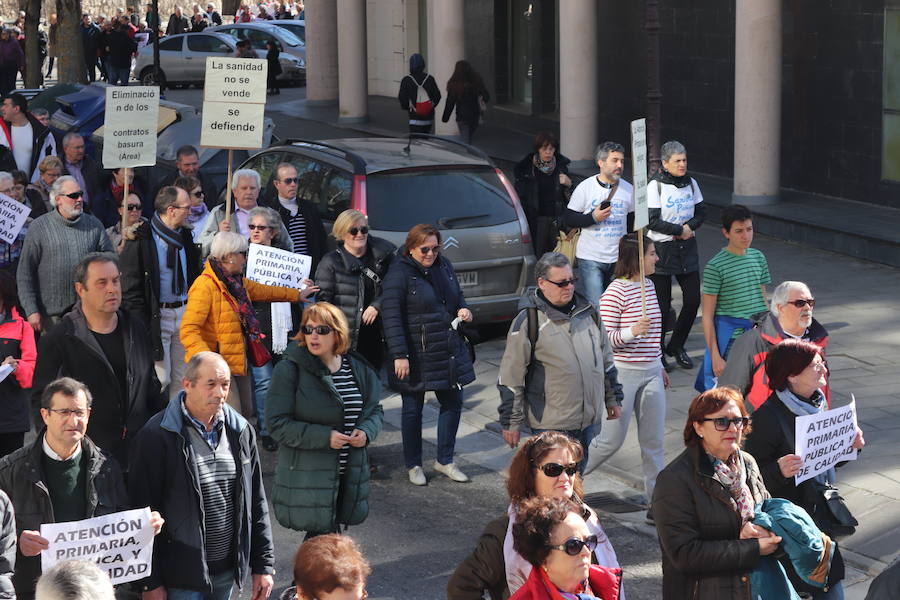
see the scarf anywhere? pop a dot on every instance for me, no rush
(664, 176)
(197, 214)
(802, 407)
(244, 309)
(731, 475)
(281, 325)
(174, 248)
(544, 167)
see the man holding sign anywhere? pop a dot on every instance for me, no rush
(63, 476)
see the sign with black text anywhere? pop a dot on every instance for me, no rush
(130, 123)
(274, 266)
(825, 439)
(234, 102)
(639, 162)
(13, 215)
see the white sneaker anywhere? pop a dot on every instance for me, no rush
(417, 476)
(451, 471)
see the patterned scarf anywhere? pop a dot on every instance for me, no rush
(174, 247)
(731, 475)
(544, 167)
(244, 309)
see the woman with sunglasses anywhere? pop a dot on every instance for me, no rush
(199, 210)
(219, 315)
(421, 299)
(134, 208)
(546, 465)
(323, 409)
(796, 371)
(552, 535)
(350, 277)
(704, 501)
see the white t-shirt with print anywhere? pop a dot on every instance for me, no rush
(600, 241)
(676, 204)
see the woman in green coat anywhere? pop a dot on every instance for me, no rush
(323, 409)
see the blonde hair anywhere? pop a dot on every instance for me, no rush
(345, 221)
(326, 313)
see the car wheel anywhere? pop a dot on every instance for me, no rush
(148, 78)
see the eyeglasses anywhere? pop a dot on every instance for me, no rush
(74, 195)
(723, 423)
(818, 366)
(320, 329)
(252, 227)
(573, 546)
(555, 469)
(563, 283)
(198, 194)
(290, 180)
(801, 302)
(134, 207)
(363, 230)
(429, 249)
(65, 413)
(185, 207)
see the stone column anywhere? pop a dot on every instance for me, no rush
(321, 52)
(353, 72)
(446, 45)
(578, 80)
(757, 102)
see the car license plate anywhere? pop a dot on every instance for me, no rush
(467, 278)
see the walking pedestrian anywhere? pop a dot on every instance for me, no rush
(676, 212)
(419, 96)
(12, 60)
(465, 93)
(421, 300)
(117, 235)
(274, 70)
(542, 183)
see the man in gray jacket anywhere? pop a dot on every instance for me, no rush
(557, 370)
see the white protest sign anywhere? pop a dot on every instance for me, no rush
(639, 164)
(130, 123)
(825, 439)
(120, 543)
(234, 102)
(274, 266)
(13, 215)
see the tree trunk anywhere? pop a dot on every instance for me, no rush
(34, 66)
(68, 38)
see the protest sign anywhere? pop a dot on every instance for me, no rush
(12, 218)
(120, 543)
(235, 80)
(273, 266)
(639, 164)
(232, 125)
(130, 124)
(825, 439)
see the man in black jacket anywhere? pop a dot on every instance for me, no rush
(86, 172)
(107, 350)
(90, 40)
(187, 163)
(178, 23)
(158, 268)
(28, 140)
(420, 107)
(119, 49)
(197, 463)
(62, 476)
(300, 217)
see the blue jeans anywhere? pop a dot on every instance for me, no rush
(261, 378)
(118, 76)
(448, 423)
(222, 585)
(835, 592)
(583, 437)
(593, 278)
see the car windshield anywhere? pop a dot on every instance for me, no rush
(289, 38)
(297, 30)
(448, 198)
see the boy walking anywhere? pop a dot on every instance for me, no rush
(734, 288)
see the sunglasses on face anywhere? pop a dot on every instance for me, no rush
(252, 227)
(429, 249)
(723, 423)
(74, 195)
(555, 469)
(573, 546)
(290, 180)
(355, 230)
(134, 207)
(320, 329)
(563, 283)
(198, 194)
(801, 303)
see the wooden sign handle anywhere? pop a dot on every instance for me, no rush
(228, 187)
(640, 234)
(125, 201)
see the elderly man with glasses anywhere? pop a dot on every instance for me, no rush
(789, 316)
(557, 370)
(55, 243)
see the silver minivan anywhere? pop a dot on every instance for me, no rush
(401, 182)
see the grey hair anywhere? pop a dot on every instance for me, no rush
(75, 580)
(670, 148)
(782, 292)
(227, 242)
(4, 176)
(56, 188)
(245, 173)
(192, 371)
(71, 136)
(40, 112)
(605, 148)
(271, 217)
(548, 261)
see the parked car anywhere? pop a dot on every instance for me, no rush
(297, 27)
(260, 32)
(400, 182)
(182, 58)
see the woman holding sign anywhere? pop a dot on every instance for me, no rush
(796, 370)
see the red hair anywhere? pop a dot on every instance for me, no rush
(707, 403)
(788, 359)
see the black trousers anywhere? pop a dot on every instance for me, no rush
(690, 292)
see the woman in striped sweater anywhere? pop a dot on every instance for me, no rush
(635, 340)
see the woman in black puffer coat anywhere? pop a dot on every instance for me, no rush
(420, 300)
(350, 278)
